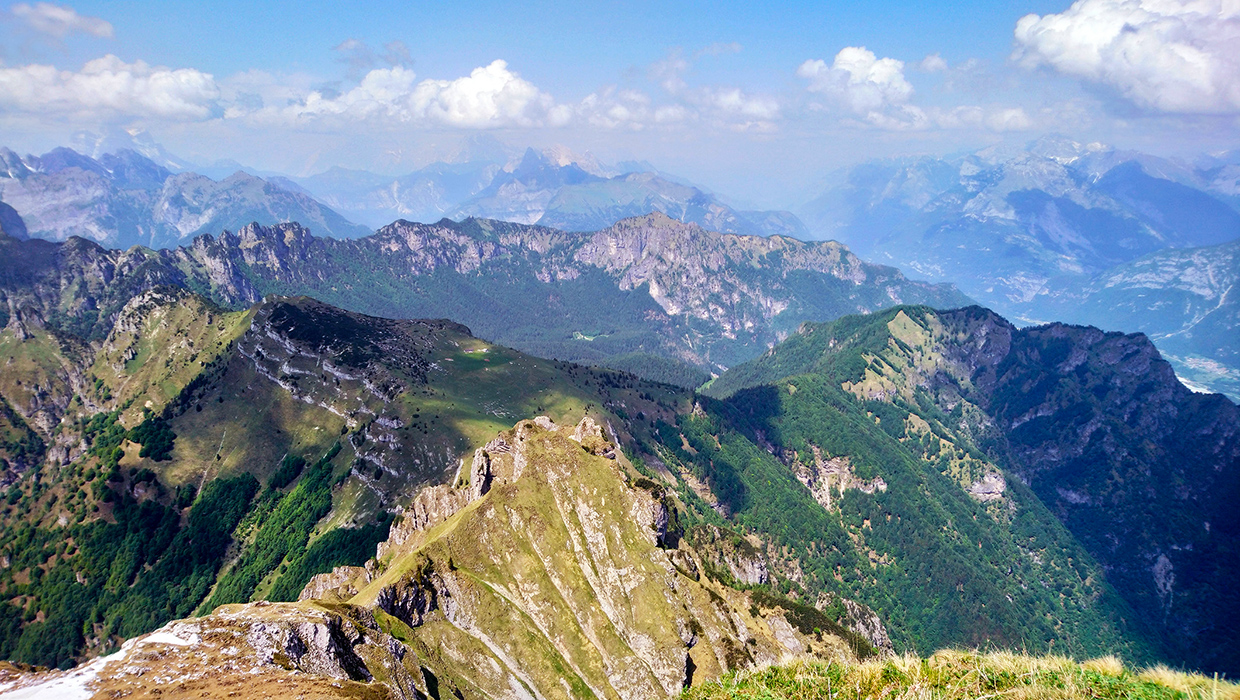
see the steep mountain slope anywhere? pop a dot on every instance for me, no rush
(548, 569)
(195, 457)
(125, 199)
(855, 500)
(651, 286)
(1025, 231)
(567, 195)
(200, 456)
(11, 223)
(1143, 472)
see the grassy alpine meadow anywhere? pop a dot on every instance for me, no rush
(961, 675)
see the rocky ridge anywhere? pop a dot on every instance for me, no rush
(1138, 467)
(674, 289)
(1185, 300)
(554, 573)
(1061, 231)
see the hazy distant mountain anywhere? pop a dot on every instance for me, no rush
(1003, 225)
(571, 196)
(1021, 230)
(551, 187)
(125, 198)
(1185, 299)
(140, 141)
(428, 194)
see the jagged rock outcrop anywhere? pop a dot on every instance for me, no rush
(732, 554)
(339, 584)
(860, 619)
(823, 474)
(256, 651)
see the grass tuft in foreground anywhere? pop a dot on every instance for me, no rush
(960, 675)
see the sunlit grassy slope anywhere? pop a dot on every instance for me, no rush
(952, 675)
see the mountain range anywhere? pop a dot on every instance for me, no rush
(487, 458)
(551, 187)
(1031, 232)
(1035, 233)
(125, 199)
(859, 488)
(669, 300)
(906, 479)
(138, 194)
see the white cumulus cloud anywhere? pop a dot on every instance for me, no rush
(109, 87)
(490, 96)
(60, 20)
(876, 91)
(733, 101)
(1179, 56)
(860, 80)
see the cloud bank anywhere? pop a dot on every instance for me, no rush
(108, 87)
(490, 96)
(877, 91)
(1165, 55)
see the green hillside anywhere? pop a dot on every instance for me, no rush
(1142, 472)
(233, 455)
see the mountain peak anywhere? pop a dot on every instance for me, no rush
(114, 141)
(1062, 149)
(562, 156)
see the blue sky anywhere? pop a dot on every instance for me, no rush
(756, 100)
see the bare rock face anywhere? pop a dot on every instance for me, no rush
(732, 554)
(989, 488)
(865, 622)
(340, 584)
(827, 474)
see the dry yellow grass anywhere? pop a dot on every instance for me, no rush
(961, 675)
